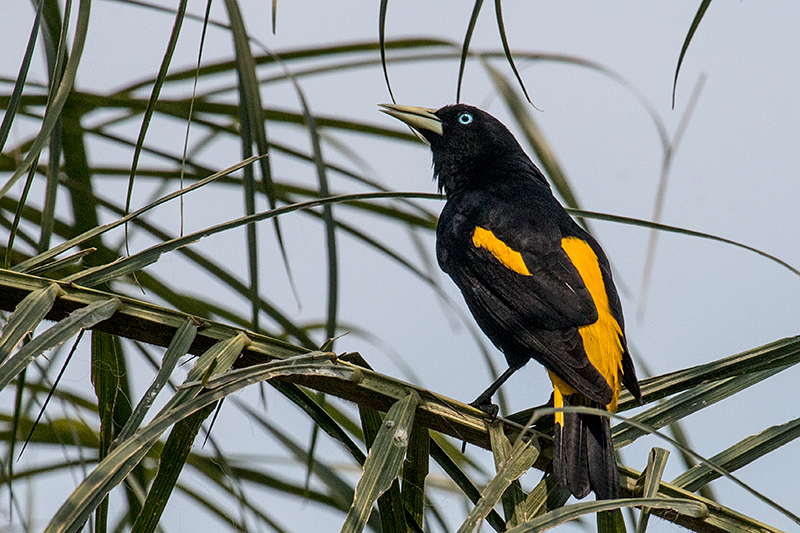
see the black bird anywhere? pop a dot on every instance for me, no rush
(538, 285)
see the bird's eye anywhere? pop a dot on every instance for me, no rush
(465, 118)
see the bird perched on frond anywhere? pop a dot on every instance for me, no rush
(538, 285)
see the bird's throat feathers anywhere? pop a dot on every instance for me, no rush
(455, 174)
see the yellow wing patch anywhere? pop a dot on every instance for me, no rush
(511, 259)
(602, 340)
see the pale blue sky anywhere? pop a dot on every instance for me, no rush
(736, 175)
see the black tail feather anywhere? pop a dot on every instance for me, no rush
(583, 458)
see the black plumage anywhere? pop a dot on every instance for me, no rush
(538, 284)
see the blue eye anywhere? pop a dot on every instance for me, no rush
(465, 118)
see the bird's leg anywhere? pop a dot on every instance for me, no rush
(484, 401)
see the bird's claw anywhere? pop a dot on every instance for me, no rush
(486, 406)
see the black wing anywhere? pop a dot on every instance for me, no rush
(535, 314)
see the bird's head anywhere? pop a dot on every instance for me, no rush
(466, 142)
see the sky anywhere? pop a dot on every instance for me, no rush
(735, 174)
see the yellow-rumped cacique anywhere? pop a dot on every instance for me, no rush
(538, 285)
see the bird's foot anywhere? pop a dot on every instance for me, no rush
(486, 405)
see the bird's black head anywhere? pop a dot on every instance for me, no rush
(469, 145)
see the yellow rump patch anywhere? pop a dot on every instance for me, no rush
(511, 259)
(602, 340)
(560, 389)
